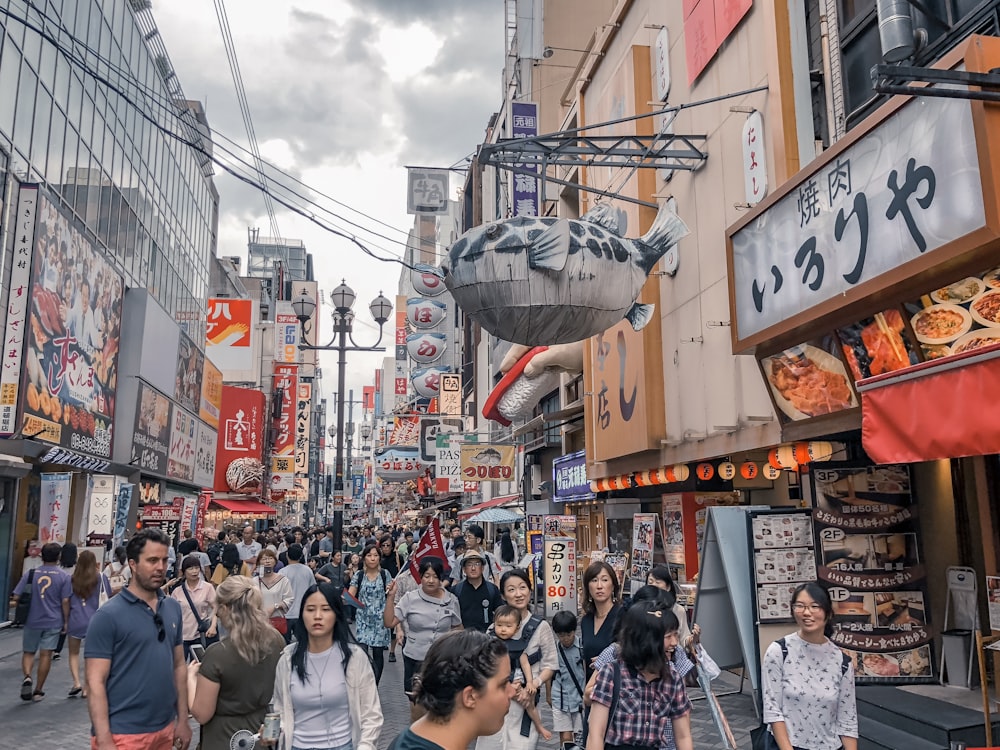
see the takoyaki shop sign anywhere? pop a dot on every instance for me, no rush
(884, 206)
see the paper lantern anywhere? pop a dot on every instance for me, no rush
(534, 281)
(772, 458)
(819, 450)
(727, 470)
(802, 453)
(425, 313)
(705, 471)
(770, 472)
(786, 457)
(748, 470)
(681, 472)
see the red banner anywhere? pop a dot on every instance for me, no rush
(241, 430)
(285, 378)
(431, 544)
(368, 397)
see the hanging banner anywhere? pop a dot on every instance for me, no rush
(17, 307)
(489, 463)
(183, 436)
(524, 124)
(643, 541)
(286, 334)
(204, 464)
(427, 191)
(303, 420)
(101, 508)
(560, 575)
(122, 506)
(54, 510)
(151, 431)
(283, 463)
(569, 478)
(230, 332)
(450, 395)
(189, 520)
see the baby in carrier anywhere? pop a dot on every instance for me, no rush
(505, 623)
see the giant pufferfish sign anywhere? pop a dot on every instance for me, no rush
(543, 281)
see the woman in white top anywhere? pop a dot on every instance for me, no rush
(324, 687)
(118, 571)
(809, 684)
(275, 590)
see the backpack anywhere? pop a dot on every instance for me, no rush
(844, 665)
(383, 575)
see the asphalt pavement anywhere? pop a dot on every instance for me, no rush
(58, 722)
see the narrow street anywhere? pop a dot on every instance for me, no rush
(59, 722)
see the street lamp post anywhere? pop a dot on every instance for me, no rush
(343, 298)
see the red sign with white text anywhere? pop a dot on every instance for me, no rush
(241, 430)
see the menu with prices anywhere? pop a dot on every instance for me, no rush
(868, 554)
(783, 558)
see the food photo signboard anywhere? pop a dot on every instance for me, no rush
(958, 317)
(809, 380)
(868, 553)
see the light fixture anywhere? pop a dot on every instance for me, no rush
(549, 51)
(343, 298)
(304, 307)
(380, 309)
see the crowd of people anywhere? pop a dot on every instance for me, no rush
(292, 629)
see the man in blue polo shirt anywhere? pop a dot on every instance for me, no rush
(136, 675)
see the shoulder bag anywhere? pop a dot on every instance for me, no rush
(24, 601)
(278, 622)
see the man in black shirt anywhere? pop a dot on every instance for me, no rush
(189, 545)
(477, 597)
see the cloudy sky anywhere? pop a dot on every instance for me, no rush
(343, 94)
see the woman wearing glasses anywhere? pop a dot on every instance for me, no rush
(809, 682)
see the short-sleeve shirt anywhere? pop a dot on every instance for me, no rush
(425, 618)
(643, 707)
(249, 551)
(301, 577)
(81, 609)
(49, 586)
(409, 741)
(244, 690)
(141, 693)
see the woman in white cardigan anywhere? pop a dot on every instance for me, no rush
(324, 686)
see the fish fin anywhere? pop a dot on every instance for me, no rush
(613, 219)
(639, 315)
(668, 228)
(550, 249)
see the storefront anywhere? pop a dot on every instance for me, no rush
(867, 289)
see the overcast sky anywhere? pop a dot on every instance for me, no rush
(343, 93)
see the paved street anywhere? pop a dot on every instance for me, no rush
(59, 722)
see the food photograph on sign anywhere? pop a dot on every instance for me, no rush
(809, 380)
(868, 552)
(785, 566)
(911, 663)
(878, 490)
(780, 530)
(71, 374)
(878, 345)
(774, 601)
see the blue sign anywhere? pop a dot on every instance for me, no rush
(569, 478)
(524, 124)
(359, 485)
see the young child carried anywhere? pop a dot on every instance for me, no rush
(505, 624)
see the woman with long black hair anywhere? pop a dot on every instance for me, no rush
(324, 687)
(230, 564)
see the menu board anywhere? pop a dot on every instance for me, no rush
(783, 558)
(959, 317)
(868, 553)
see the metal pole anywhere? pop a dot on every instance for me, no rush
(338, 480)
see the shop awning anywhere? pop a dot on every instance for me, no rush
(245, 506)
(496, 502)
(947, 408)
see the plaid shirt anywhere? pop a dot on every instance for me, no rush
(644, 708)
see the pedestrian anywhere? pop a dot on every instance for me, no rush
(370, 586)
(324, 687)
(249, 548)
(275, 590)
(49, 589)
(301, 577)
(326, 545)
(566, 692)
(188, 544)
(67, 561)
(197, 600)
(533, 635)
(136, 675)
(478, 598)
(391, 564)
(231, 687)
(659, 576)
(808, 682)
(230, 564)
(117, 571)
(333, 571)
(650, 694)
(464, 689)
(600, 604)
(505, 624)
(424, 614)
(214, 550)
(474, 536)
(88, 585)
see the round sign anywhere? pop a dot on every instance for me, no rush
(425, 313)
(748, 470)
(770, 472)
(426, 347)
(426, 280)
(727, 470)
(705, 472)
(427, 380)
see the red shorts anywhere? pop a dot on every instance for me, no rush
(162, 740)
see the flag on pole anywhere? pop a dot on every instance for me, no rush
(431, 544)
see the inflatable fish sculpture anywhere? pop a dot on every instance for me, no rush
(542, 281)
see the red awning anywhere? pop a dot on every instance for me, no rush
(245, 506)
(946, 408)
(497, 501)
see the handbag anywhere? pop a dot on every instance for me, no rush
(24, 602)
(280, 624)
(203, 625)
(762, 739)
(102, 598)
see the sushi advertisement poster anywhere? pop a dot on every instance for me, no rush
(868, 554)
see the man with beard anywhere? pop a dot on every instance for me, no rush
(136, 675)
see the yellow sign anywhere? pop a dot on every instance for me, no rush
(488, 463)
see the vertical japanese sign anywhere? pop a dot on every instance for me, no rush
(303, 420)
(286, 333)
(400, 382)
(183, 451)
(229, 334)
(524, 124)
(101, 510)
(754, 159)
(560, 575)
(283, 463)
(450, 394)
(17, 307)
(122, 506)
(643, 541)
(55, 507)
(189, 506)
(204, 464)
(620, 419)
(211, 394)
(241, 427)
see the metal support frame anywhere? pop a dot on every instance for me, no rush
(884, 76)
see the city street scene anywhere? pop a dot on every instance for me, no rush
(500, 374)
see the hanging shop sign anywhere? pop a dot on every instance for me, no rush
(661, 65)
(283, 455)
(524, 124)
(190, 364)
(183, 450)
(151, 432)
(71, 374)
(426, 347)
(569, 478)
(303, 419)
(426, 280)
(560, 575)
(427, 380)
(230, 332)
(211, 394)
(101, 505)
(450, 395)
(17, 305)
(448, 463)
(425, 313)
(489, 462)
(72, 458)
(123, 504)
(754, 158)
(286, 334)
(240, 438)
(54, 511)
(398, 463)
(430, 428)
(427, 191)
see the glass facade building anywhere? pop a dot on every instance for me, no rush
(91, 110)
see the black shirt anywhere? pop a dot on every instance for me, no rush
(476, 616)
(409, 741)
(187, 547)
(594, 643)
(390, 563)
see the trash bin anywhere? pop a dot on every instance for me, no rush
(956, 647)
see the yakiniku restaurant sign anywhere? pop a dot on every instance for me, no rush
(903, 193)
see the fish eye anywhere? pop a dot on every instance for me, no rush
(492, 230)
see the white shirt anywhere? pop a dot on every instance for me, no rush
(322, 711)
(249, 551)
(301, 578)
